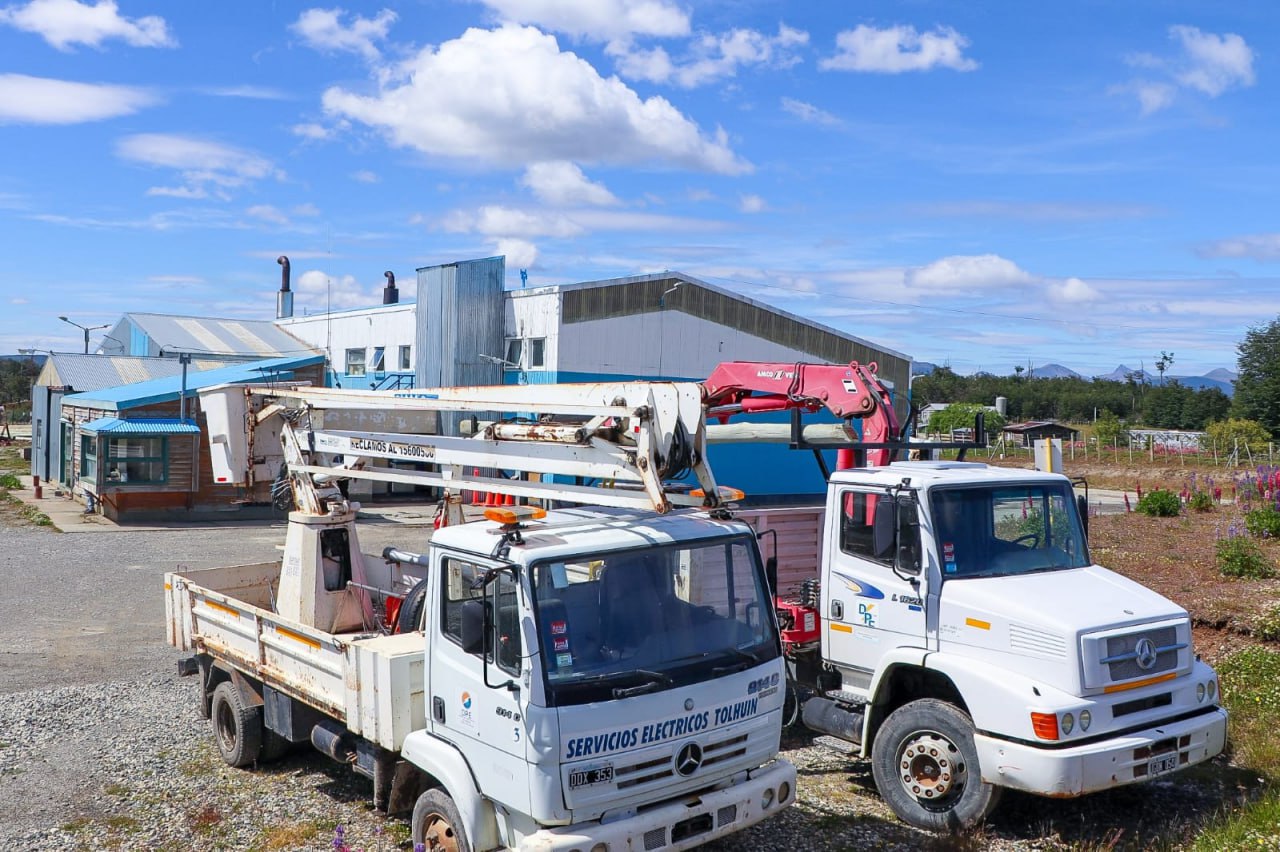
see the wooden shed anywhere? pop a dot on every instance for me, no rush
(1026, 434)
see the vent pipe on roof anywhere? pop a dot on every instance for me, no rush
(284, 299)
(390, 295)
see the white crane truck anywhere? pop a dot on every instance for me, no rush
(956, 631)
(604, 678)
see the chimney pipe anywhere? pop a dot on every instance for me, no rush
(390, 295)
(284, 299)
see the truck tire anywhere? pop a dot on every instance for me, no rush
(926, 767)
(414, 604)
(437, 825)
(237, 727)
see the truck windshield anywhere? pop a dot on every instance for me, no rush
(625, 622)
(988, 532)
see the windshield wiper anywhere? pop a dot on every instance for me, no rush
(651, 681)
(746, 660)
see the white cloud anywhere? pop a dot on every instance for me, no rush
(598, 20)
(1259, 247)
(66, 23)
(312, 131)
(17, 300)
(540, 104)
(712, 57)
(751, 204)
(256, 93)
(318, 289)
(365, 176)
(268, 213)
(896, 49)
(40, 100)
(521, 254)
(496, 221)
(967, 272)
(562, 184)
(1205, 62)
(1072, 291)
(306, 210)
(323, 30)
(178, 192)
(201, 162)
(808, 112)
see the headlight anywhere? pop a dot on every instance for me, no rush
(1086, 719)
(784, 792)
(1200, 691)
(1213, 689)
(600, 847)
(766, 798)
(1068, 722)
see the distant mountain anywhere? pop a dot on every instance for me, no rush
(922, 368)
(1222, 374)
(1122, 374)
(1202, 382)
(37, 359)
(1054, 371)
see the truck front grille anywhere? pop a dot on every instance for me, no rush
(1122, 653)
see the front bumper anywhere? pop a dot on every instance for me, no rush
(1126, 759)
(681, 824)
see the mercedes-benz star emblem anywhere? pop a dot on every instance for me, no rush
(1145, 653)
(689, 759)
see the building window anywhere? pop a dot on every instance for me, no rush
(379, 359)
(355, 362)
(89, 457)
(515, 351)
(406, 357)
(137, 460)
(537, 353)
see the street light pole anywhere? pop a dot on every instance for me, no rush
(86, 330)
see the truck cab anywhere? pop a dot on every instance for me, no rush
(606, 669)
(970, 644)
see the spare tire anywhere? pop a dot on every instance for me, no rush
(409, 618)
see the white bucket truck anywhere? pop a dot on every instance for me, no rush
(599, 679)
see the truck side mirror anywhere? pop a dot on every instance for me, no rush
(474, 627)
(884, 527)
(1082, 504)
(771, 574)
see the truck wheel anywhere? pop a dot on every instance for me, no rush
(437, 823)
(926, 767)
(411, 608)
(237, 728)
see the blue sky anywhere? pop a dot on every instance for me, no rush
(976, 184)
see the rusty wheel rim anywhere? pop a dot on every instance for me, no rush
(439, 834)
(931, 769)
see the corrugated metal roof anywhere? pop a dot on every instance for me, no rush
(170, 388)
(142, 426)
(93, 372)
(252, 338)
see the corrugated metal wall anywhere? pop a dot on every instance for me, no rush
(460, 313)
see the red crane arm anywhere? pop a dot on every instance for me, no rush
(848, 391)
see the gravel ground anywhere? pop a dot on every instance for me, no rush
(101, 746)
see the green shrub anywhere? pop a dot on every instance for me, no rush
(1263, 521)
(1240, 556)
(1201, 501)
(1268, 627)
(9, 481)
(1160, 504)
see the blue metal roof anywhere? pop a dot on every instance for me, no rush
(170, 388)
(142, 426)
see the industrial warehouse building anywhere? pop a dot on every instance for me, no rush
(465, 328)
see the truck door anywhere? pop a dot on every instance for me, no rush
(485, 721)
(867, 609)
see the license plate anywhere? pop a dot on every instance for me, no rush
(1161, 765)
(590, 777)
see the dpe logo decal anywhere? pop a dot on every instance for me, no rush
(466, 700)
(864, 590)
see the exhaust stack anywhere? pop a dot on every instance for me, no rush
(284, 299)
(390, 295)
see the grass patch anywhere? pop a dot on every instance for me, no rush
(203, 819)
(1251, 694)
(292, 835)
(121, 822)
(1256, 826)
(77, 825)
(116, 790)
(9, 481)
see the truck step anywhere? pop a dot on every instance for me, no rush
(844, 697)
(837, 745)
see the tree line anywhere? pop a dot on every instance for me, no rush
(16, 377)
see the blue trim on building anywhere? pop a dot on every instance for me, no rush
(141, 426)
(170, 388)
